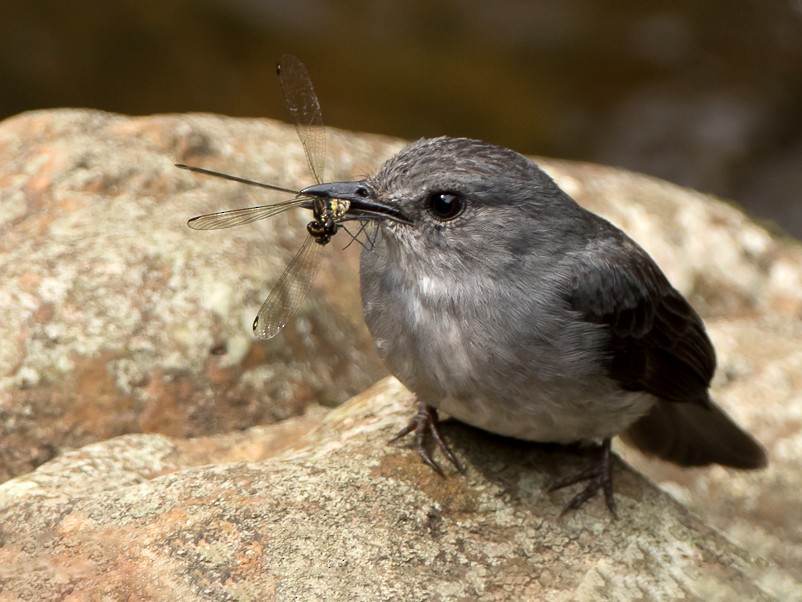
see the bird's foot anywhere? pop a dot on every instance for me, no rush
(426, 425)
(599, 476)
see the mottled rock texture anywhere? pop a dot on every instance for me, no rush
(342, 516)
(178, 458)
(121, 319)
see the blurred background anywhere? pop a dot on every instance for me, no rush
(703, 93)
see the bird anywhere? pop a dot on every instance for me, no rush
(496, 298)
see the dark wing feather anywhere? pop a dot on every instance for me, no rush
(657, 341)
(658, 344)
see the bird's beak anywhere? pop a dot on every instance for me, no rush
(361, 197)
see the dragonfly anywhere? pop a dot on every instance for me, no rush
(328, 213)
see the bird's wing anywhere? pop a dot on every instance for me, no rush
(657, 343)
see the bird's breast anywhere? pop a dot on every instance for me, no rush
(502, 359)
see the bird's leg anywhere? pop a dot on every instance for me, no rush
(599, 476)
(426, 425)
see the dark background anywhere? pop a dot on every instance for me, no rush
(706, 93)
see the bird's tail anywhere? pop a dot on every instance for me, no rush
(690, 434)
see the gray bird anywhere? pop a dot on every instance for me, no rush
(494, 297)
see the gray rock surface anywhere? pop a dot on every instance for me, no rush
(121, 321)
(342, 516)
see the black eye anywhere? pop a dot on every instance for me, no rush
(445, 205)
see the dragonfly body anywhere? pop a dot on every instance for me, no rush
(294, 283)
(330, 206)
(327, 213)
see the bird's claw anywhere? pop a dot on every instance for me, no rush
(426, 425)
(599, 476)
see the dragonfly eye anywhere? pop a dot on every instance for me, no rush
(322, 231)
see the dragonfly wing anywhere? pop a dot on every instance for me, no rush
(303, 105)
(237, 217)
(289, 291)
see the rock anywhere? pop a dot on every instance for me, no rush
(130, 341)
(122, 319)
(344, 516)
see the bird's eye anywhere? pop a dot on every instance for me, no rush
(445, 205)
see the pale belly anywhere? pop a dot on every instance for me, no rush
(547, 419)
